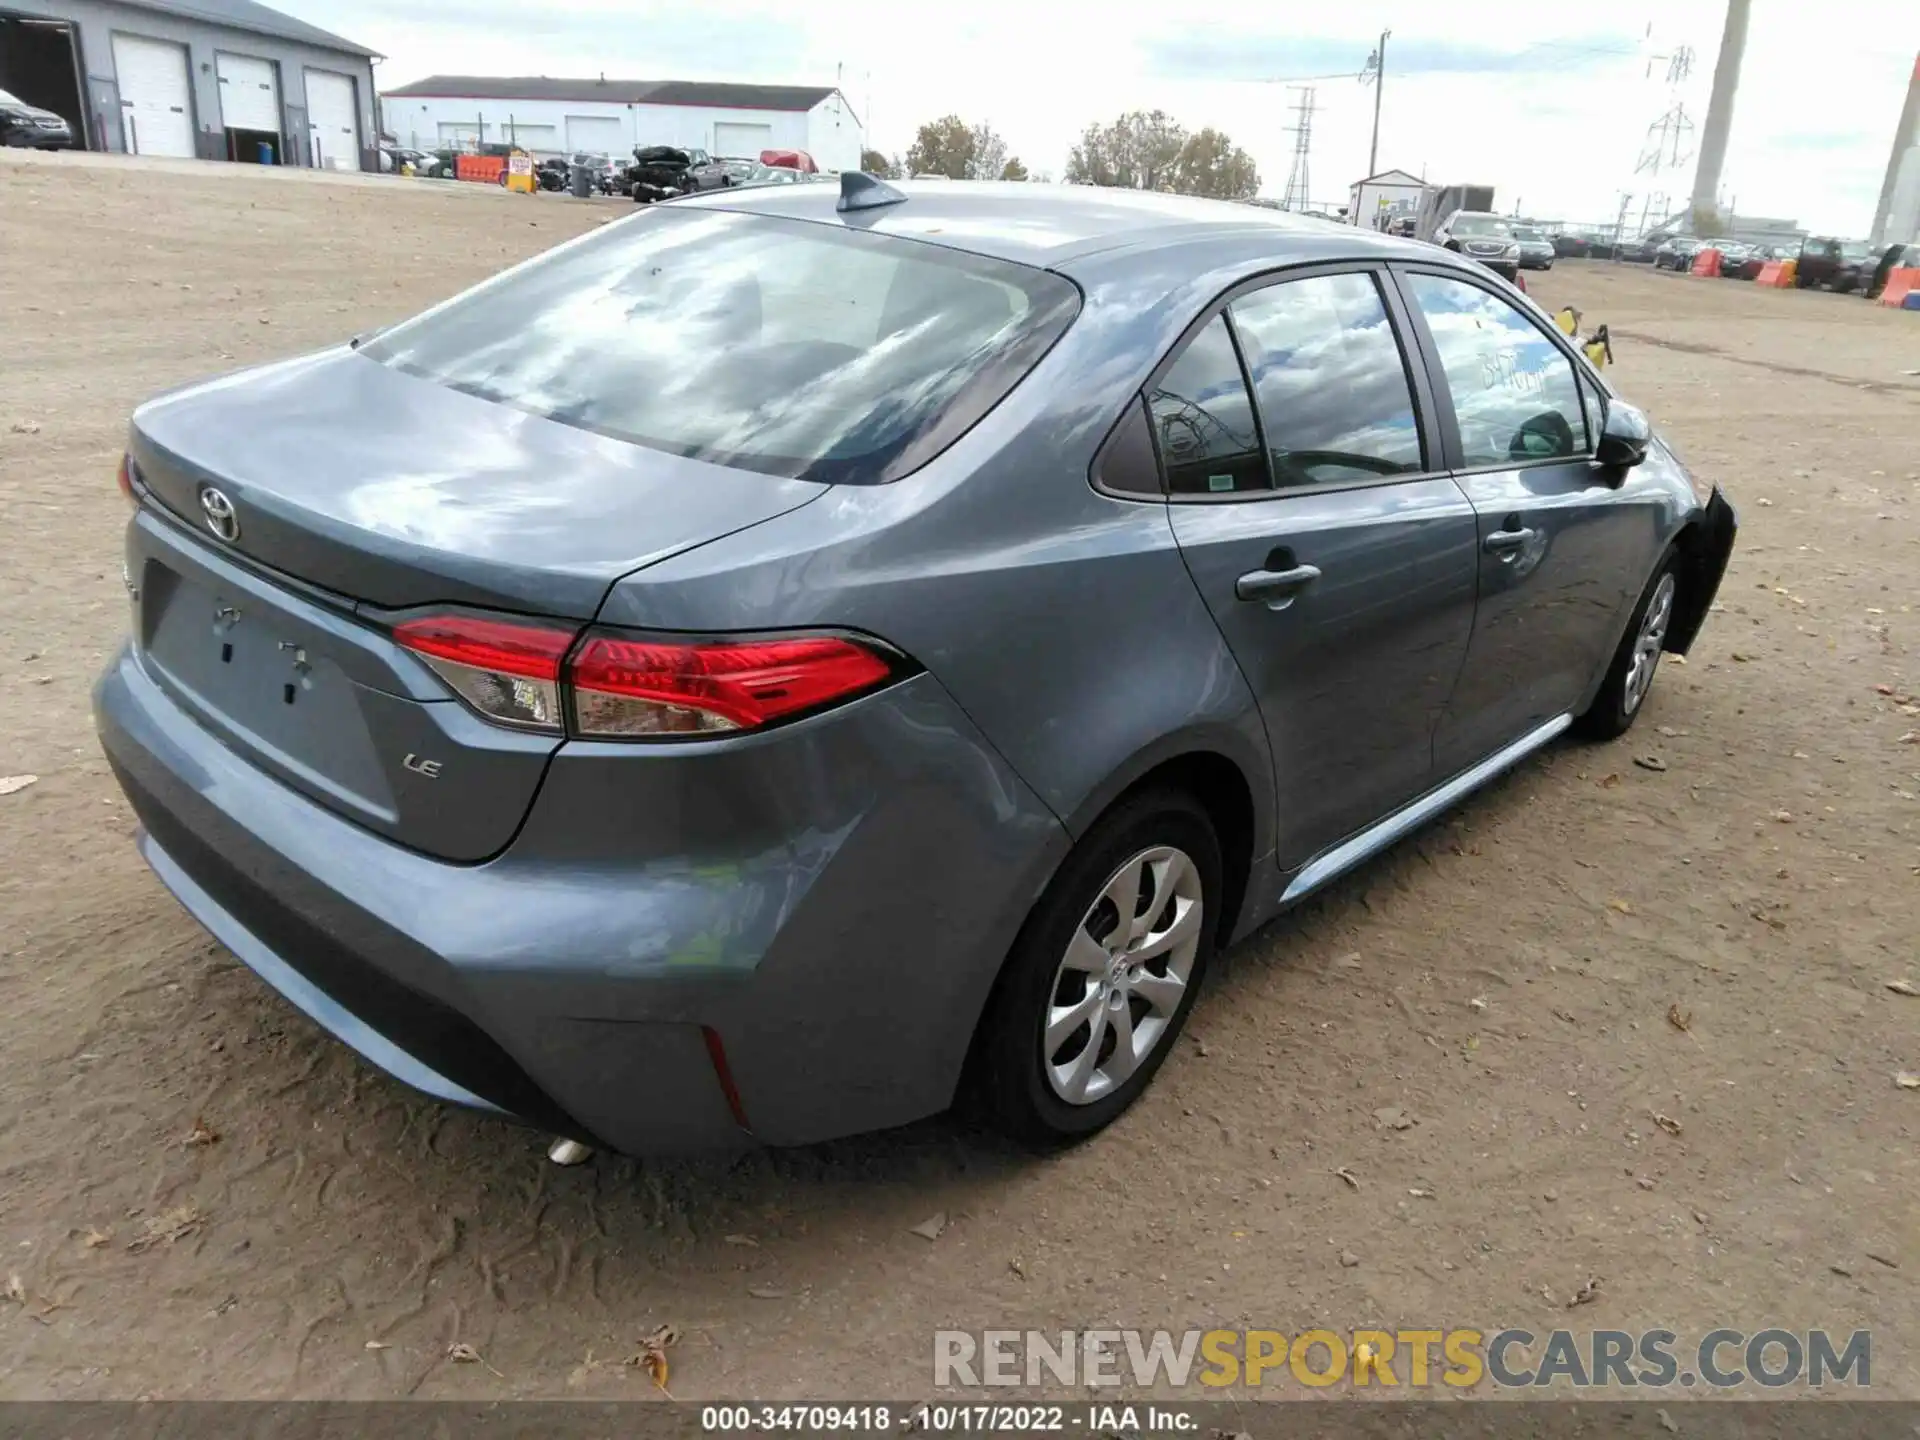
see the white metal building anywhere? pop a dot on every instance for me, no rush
(216, 79)
(610, 117)
(1376, 199)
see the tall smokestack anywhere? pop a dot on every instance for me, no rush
(1726, 85)
(1906, 138)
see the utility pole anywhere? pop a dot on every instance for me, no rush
(1376, 71)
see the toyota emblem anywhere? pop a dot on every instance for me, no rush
(221, 518)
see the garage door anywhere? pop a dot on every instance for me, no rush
(155, 103)
(743, 141)
(249, 93)
(597, 134)
(333, 121)
(539, 139)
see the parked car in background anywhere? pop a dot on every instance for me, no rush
(1753, 259)
(1676, 252)
(684, 767)
(789, 160)
(1536, 250)
(1481, 236)
(1733, 255)
(661, 172)
(1638, 251)
(28, 127)
(1829, 263)
(1572, 244)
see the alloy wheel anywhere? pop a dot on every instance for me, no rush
(1125, 972)
(1647, 644)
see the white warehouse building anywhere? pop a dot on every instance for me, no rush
(611, 117)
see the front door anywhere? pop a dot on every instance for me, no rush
(1339, 567)
(1564, 545)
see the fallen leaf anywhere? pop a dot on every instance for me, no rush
(652, 1357)
(1681, 1020)
(1349, 961)
(1477, 1003)
(746, 1240)
(930, 1228)
(1644, 1182)
(1348, 1176)
(462, 1353)
(1903, 987)
(11, 783)
(165, 1229)
(1649, 762)
(1586, 1294)
(1907, 1080)
(1623, 906)
(376, 1345)
(1742, 658)
(1666, 1123)
(201, 1135)
(1607, 782)
(1419, 1193)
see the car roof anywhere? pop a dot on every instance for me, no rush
(1050, 225)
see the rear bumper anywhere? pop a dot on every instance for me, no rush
(830, 901)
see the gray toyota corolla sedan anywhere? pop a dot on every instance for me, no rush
(799, 655)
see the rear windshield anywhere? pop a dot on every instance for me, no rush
(1479, 225)
(783, 346)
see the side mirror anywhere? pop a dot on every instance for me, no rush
(1624, 437)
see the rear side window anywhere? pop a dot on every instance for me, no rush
(1335, 400)
(793, 348)
(1203, 420)
(1513, 389)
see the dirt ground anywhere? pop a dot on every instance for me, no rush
(1506, 977)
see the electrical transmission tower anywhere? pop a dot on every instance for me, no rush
(1296, 196)
(1668, 145)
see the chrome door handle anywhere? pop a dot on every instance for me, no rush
(1502, 542)
(1276, 587)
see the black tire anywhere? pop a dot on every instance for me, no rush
(1009, 1082)
(1615, 709)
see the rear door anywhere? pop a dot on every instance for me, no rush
(1564, 545)
(1335, 555)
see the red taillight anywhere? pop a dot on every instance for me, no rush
(633, 687)
(507, 670)
(126, 480)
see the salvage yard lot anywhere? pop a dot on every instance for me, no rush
(201, 1195)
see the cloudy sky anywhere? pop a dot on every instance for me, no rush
(1550, 104)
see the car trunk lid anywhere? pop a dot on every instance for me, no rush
(395, 491)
